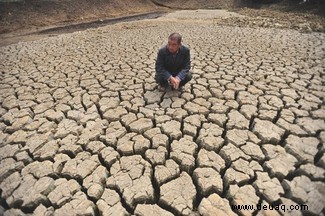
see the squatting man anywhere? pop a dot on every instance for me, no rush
(173, 64)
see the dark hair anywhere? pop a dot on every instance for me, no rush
(175, 37)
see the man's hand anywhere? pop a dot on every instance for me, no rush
(175, 82)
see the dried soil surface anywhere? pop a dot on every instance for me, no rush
(84, 128)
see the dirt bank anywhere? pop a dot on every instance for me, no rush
(24, 20)
(17, 16)
(24, 15)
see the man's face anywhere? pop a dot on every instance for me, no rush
(173, 46)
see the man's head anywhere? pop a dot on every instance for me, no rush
(174, 42)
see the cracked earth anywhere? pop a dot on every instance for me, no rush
(85, 130)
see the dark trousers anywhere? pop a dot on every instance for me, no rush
(161, 80)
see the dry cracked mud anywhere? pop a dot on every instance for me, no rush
(85, 130)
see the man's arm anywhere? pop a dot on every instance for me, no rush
(160, 67)
(187, 66)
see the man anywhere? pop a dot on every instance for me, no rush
(173, 63)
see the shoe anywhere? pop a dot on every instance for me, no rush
(163, 88)
(180, 88)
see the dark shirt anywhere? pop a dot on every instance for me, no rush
(169, 64)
